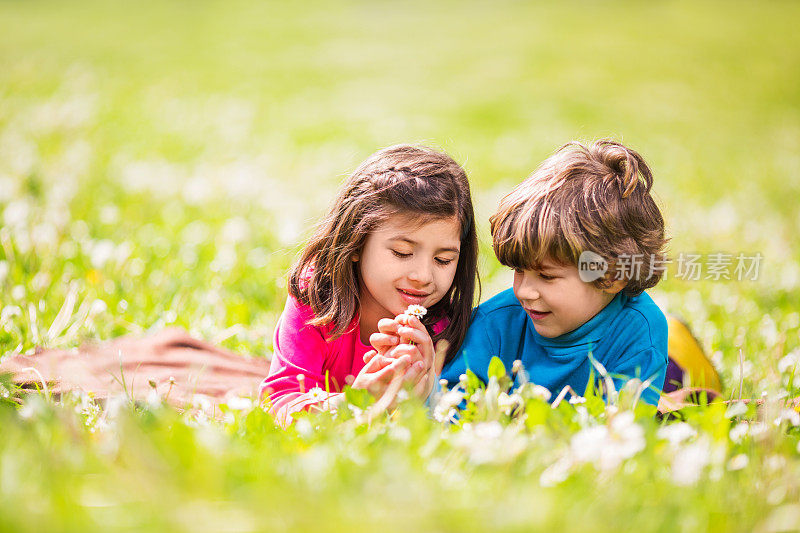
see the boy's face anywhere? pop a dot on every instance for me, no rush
(557, 300)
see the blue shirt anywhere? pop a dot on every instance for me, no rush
(628, 337)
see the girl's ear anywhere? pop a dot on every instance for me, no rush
(355, 258)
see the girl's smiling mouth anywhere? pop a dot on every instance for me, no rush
(413, 297)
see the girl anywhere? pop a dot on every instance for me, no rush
(401, 232)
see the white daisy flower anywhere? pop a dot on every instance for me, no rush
(790, 415)
(738, 462)
(739, 431)
(690, 461)
(676, 433)
(416, 310)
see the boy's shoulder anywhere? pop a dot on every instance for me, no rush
(642, 313)
(500, 304)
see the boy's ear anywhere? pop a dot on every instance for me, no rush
(616, 286)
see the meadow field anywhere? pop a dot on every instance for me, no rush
(162, 162)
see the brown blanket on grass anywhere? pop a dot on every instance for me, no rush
(179, 366)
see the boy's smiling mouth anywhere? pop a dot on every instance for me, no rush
(537, 315)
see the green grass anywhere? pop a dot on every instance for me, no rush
(162, 161)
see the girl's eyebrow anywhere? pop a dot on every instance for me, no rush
(413, 243)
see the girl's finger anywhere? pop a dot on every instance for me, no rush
(384, 361)
(369, 355)
(380, 380)
(382, 341)
(388, 397)
(388, 326)
(377, 362)
(410, 321)
(424, 376)
(398, 365)
(413, 334)
(422, 386)
(418, 336)
(414, 373)
(407, 350)
(373, 364)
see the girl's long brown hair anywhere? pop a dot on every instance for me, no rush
(408, 180)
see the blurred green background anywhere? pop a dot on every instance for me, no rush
(163, 161)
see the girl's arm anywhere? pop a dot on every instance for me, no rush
(296, 379)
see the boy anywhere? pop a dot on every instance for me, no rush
(587, 207)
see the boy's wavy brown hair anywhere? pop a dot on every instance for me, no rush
(584, 198)
(413, 181)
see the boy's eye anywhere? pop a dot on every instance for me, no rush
(400, 254)
(546, 277)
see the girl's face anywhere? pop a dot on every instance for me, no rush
(404, 263)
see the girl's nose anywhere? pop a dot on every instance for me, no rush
(421, 273)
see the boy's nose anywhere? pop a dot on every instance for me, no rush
(528, 294)
(527, 289)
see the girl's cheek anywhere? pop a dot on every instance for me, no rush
(452, 278)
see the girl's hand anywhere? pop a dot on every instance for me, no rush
(413, 333)
(381, 371)
(406, 337)
(403, 335)
(416, 377)
(426, 381)
(386, 337)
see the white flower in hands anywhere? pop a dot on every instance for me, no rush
(416, 310)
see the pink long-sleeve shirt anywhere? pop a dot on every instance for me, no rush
(300, 348)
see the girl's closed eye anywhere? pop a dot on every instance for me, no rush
(400, 254)
(444, 261)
